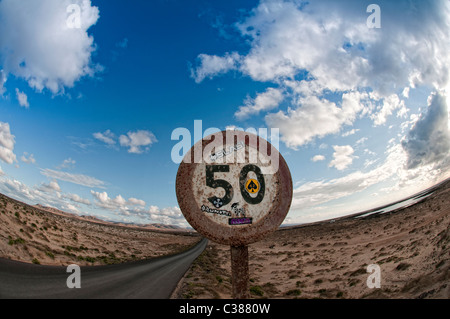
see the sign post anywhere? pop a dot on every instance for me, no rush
(234, 188)
(239, 272)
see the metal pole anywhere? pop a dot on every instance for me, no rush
(239, 271)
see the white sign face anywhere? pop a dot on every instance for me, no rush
(234, 187)
(232, 192)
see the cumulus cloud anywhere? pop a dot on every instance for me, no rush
(136, 202)
(48, 194)
(389, 105)
(137, 142)
(315, 117)
(22, 98)
(53, 186)
(265, 101)
(77, 199)
(39, 45)
(318, 158)
(212, 65)
(78, 179)
(104, 201)
(45, 194)
(428, 141)
(17, 189)
(116, 204)
(107, 137)
(168, 215)
(336, 52)
(135, 208)
(7, 142)
(338, 49)
(342, 157)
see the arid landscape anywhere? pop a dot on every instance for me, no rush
(40, 235)
(327, 259)
(330, 259)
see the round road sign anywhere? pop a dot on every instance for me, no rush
(234, 187)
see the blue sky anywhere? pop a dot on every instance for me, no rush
(87, 111)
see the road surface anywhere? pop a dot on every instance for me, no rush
(152, 279)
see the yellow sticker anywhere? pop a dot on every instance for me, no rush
(252, 186)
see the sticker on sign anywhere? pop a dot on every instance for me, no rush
(238, 192)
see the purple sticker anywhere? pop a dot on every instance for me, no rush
(240, 221)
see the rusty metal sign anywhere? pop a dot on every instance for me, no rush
(234, 187)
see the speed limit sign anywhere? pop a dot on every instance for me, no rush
(234, 187)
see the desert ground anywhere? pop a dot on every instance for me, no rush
(330, 259)
(41, 235)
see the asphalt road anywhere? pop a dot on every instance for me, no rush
(148, 279)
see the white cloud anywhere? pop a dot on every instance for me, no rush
(342, 157)
(338, 49)
(116, 204)
(22, 98)
(38, 45)
(361, 141)
(106, 137)
(318, 158)
(351, 132)
(212, 65)
(77, 199)
(312, 194)
(321, 196)
(390, 104)
(135, 201)
(70, 208)
(1, 172)
(18, 189)
(29, 159)
(50, 187)
(265, 101)
(78, 179)
(230, 127)
(368, 162)
(169, 215)
(336, 52)
(104, 201)
(47, 194)
(6, 144)
(405, 92)
(137, 142)
(315, 117)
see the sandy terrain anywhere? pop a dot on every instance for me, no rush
(51, 237)
(330, 259)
